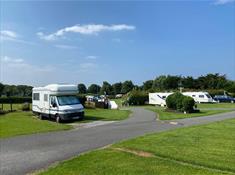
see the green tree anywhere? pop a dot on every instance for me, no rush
(106, 88)
(117, 88)
(188, 82)
(94, 89)
(1, 89)
(147, 85)
(10, 90)
(158, 83)
(127, 86)
(82, 88)
(24, 90)
(172, 82)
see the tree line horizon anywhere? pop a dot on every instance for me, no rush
(160, 83)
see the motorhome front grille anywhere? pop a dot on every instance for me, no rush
(75, 114)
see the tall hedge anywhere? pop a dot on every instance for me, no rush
(9, 100)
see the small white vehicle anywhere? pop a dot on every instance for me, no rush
(57, 102)
(158, 98)
(200, 97)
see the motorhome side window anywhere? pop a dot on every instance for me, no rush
(45, 97)
(53, 101)
(201, 96)
(36, 96)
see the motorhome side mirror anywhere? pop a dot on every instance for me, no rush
(54, 105)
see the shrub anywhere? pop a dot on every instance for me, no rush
(137, 97)
(188, 104)
(179, 102)
(174, 101)
(25, 107)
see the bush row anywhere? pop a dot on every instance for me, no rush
(9, 100)
(179, 102)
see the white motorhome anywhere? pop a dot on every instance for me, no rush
(200, 97)
(57, 102)
(158, 98)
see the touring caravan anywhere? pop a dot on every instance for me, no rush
(200, 97)
(158, 98)
(57, 102)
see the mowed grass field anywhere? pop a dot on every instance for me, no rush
(20, 123)
(105, 114)
(206, 149)
(162, 114)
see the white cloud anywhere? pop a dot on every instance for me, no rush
(62, 46)
(8, 33)
(88, 29)
(91, 57)
(222, 2)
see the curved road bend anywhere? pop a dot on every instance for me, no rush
(25, 154)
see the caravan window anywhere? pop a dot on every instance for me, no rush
(201, 96)
(193, 95)
(36, 96)
(45, 97)
(208, 96)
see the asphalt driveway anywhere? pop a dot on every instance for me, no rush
(25, 154)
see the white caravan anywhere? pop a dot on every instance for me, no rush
(200, 97)
(57, 102)
(158, 98)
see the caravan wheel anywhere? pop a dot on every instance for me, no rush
(58, 119)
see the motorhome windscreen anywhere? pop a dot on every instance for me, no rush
(68, 100)
(208, 96)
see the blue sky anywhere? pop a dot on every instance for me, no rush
(89, 42)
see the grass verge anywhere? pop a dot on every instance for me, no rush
(206, 149)
(216, 105)
(166, 115)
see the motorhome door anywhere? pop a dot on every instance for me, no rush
(53, 106)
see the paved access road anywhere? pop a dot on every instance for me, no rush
(25, 154)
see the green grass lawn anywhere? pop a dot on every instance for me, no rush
(166, 115)
(206, 149)
(216, 105)
(105, 114)
(20, 123)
